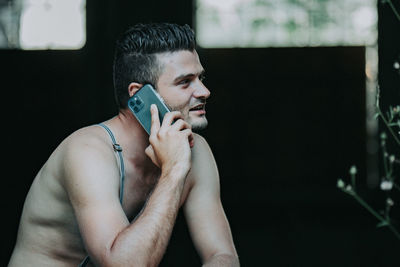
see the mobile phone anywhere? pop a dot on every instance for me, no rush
(140, 104)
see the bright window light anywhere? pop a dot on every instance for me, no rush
(43, 24)
(282, 23)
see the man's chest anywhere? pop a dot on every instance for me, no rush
(138, 189)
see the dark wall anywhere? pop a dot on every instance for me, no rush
(389, 53)
(285, 123)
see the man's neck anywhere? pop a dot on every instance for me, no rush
(130, 135)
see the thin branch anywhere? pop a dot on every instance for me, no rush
(387, 125)
(394, 9)
(373, 212)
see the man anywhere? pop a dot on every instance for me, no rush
(73, 213)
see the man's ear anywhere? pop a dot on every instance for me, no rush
(133, 88)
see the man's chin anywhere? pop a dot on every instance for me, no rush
(198, 124)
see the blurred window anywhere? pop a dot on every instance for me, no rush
(42, 24)
(283, 23)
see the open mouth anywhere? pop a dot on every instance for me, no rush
(198, 107)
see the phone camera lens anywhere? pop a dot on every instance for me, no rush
(136, 109)
(138, 102)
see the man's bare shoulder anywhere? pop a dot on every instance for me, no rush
(201, 146)
(204, 168)
(86, 150)
(87, 141)
(91, 137)
(88, 166)
(202, 153)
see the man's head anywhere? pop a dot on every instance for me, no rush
(163, 55)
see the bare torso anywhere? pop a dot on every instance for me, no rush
(49, 234)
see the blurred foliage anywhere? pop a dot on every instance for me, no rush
(390, 161)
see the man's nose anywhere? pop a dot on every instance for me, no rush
(201, 91)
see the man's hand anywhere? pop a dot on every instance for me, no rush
(170, 142)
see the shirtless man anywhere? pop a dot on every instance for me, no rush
(73, 211)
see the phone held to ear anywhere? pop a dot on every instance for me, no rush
(140, 104)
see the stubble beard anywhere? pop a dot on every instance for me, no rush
(199, 123)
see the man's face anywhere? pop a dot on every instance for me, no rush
(180, 85)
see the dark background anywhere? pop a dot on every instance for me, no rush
(285, 124)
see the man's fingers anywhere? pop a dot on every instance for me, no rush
(150, 153)
(181, 124)
(170, 117)
(188, 133)
(191, 140)
(155, 120)
(190, 137)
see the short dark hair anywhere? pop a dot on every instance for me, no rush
(135, 54)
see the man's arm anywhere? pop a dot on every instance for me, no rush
(204, 213)
(109, 237)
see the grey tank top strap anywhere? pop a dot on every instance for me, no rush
(118, 149)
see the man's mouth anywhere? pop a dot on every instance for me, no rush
(197, 107)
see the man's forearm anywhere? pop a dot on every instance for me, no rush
(145, 240)
(222, 260)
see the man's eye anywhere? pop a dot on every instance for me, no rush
(186, 81)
